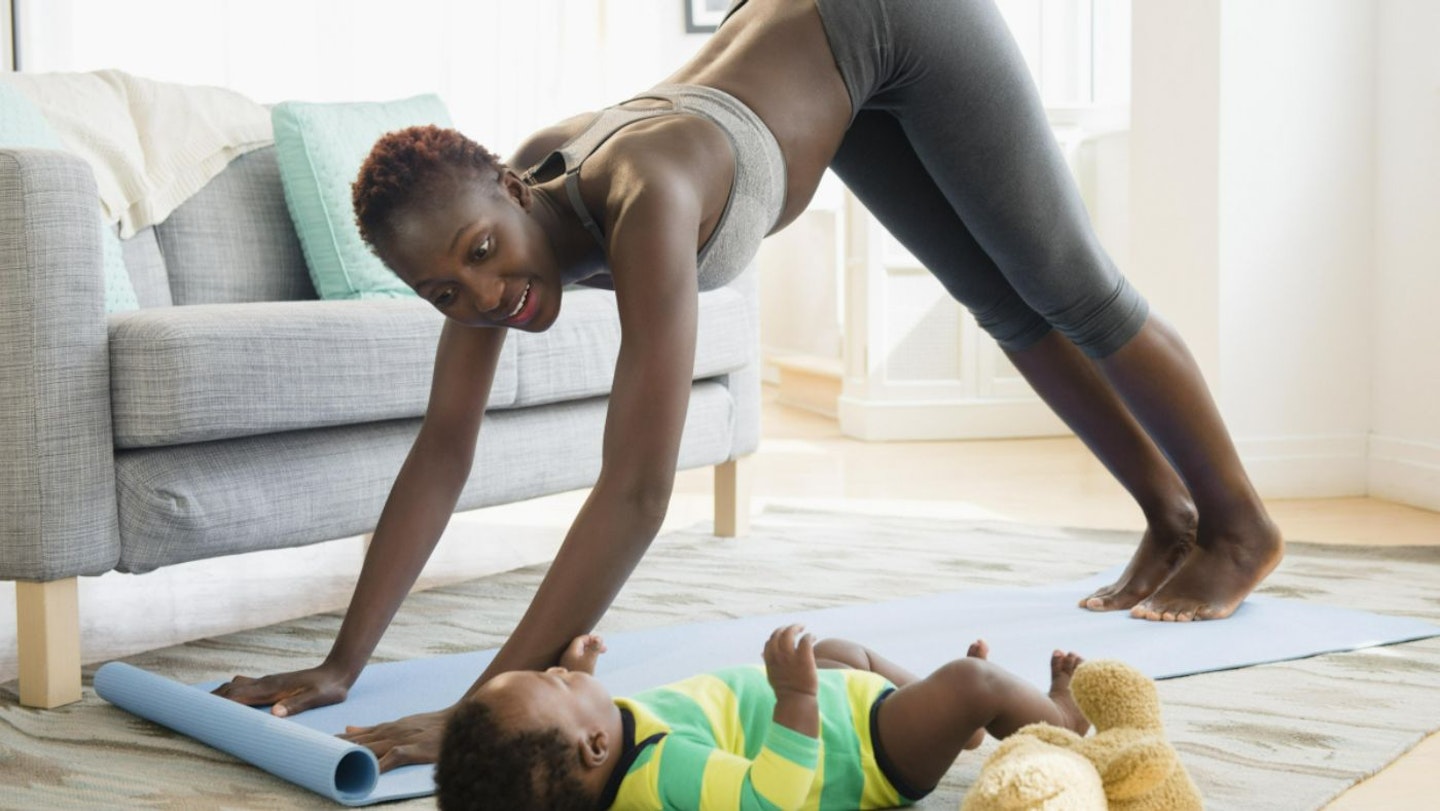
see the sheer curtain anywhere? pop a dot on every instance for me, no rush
(481, 56)
(504, 67)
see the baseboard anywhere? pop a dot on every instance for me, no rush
(894, 420)
(1406, 471)
(1324, 466)
(809, 383)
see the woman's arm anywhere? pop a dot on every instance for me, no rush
(652, 259)
(419, 507)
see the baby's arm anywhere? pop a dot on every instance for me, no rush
(790, 667)
(582, 653)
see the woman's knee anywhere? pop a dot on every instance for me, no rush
(1099, 324)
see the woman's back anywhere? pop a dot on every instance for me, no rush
(773, 56)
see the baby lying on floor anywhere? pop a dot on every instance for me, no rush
(863, 733)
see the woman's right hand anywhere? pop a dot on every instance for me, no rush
(289, 693)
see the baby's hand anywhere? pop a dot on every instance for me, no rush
(582, 653)
(790, 665)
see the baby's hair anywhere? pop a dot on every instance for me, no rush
(405, 165)
(485, 765)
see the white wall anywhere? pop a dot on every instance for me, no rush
(481, 56)
(1286, 195)
(1296, 250)
(1174, 166)
(1250, 185)
(1405, 440)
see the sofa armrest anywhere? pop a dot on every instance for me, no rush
(57, 481)
(744, 383)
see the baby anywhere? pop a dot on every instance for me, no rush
(860, 733)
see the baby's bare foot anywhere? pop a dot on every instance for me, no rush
(1062, 669)
(978, 650)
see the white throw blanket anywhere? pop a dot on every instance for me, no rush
(151, 144)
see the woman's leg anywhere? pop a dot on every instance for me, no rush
(967, 105)
(1077, 390)
(923, 726)
(1237, 544)
(878, 164)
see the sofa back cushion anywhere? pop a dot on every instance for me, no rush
(233, 242)
(146, 266)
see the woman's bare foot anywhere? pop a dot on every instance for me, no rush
(1164, 548)
(1062, 669)
(1222, 570)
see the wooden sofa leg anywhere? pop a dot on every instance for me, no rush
(732, 498)
(48, 620)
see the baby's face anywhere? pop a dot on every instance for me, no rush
(572, 701)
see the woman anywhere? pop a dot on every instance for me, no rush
(927, 112)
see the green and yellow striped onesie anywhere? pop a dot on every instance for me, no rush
(708, 744)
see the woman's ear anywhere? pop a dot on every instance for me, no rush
(517, 189)
(595, 749)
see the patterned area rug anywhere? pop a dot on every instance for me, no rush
(1286, 736)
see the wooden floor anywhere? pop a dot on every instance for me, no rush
(802, 458)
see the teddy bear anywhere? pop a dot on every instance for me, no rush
(1127, 765)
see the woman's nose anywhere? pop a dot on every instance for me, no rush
(489, 295)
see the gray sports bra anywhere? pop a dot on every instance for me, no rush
(757, 194)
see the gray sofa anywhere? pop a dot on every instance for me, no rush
(234, 412)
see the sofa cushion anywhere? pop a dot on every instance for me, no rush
(281, 490)
(205, 372)
(321, 147)
(146, 265)
(233, 241)
(578, 360)
(192, 374)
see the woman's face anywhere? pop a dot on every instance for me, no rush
(474, 251)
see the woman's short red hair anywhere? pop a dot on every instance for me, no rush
(404, 166)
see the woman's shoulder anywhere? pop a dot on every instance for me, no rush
(543, 142)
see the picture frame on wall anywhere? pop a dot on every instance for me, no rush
(704, 16)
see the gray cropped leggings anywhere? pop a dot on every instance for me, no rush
(950, 148)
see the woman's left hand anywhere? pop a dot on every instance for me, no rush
(582, 653)
(412, 739)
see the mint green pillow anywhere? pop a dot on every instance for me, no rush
(320, 148)
(23, 125)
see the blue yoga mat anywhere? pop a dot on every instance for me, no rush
(1022, 625)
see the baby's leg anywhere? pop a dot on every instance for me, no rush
(842, 653)
(925, 725)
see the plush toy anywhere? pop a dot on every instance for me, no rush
(1127, 765)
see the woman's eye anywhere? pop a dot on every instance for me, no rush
(444, 298)
(482, 250)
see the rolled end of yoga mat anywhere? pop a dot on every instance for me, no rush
(343, 771)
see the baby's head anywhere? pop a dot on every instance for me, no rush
(530, 740)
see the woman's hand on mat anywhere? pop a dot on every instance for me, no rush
(790, 662)
(584, 650)
(412, 739)
(289, 693)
